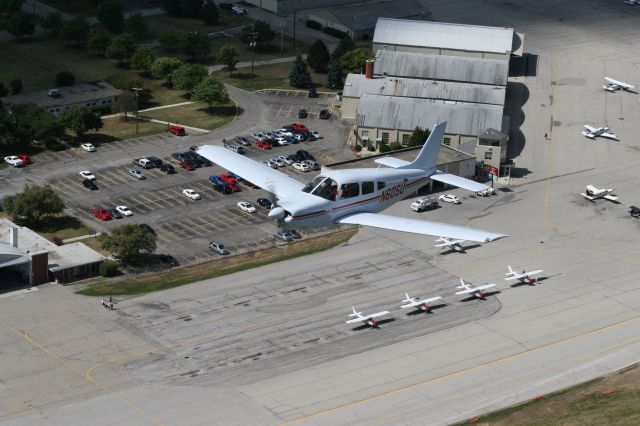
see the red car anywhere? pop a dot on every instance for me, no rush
(228, 178)
(187, 165)
(262, 144)
(177, 130)
(25, 159)
(234, 187)
(299, 127)
(101, 214)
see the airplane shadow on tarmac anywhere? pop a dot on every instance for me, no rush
(421, 312)
(378, 324)
(489, 294)
(464, 250)
(521, 284)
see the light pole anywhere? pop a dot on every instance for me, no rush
(351, 28)
(252, 44)
(136, 93)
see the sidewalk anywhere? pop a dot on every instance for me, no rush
(152, 109)
(81, 237)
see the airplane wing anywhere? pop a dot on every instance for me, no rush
(608, 135)
(466, 291)
(263, 176)
(367, 317)
(591, 129)
(515, 276)
(589, 135)
(458, 181)
(588, 197)
(392, 162)
(536, 272)
(355, 320)
(420, 302)
(418, 226)
(610, 197)
(484, 287)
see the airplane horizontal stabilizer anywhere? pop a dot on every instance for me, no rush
(458, 181)
(392, 162)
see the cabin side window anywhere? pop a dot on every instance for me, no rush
(327, 189)
(349, 190)
(380, 185)
(367, 188)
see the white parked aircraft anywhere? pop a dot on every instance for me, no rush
(369, 320)
(613, 85)
(594, 193)
(632, 2)
(354, 196)
(415, 302)
(525, 277)
(474, 291)
(594, 132)
(450, 244)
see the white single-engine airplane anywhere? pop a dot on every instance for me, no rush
(614, 85)
(474, 291)
(594, 193)
(354, 196)
(525, 277)
(594, 132)
(415, 302)
(369, 320)
(450, 244)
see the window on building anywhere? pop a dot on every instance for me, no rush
(380, 185)
(488, 155)
(367, 188)
(405, 139)
(446, 141)
(365, 133)
(349, 190)
(385, 138)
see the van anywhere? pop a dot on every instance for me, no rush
(177, 130)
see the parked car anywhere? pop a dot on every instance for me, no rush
(157, 162)
(228, 179)
(262, 144)
(222, 188)
(86, 174)
(218, 247)
(303, 113)
(256, 136)
(270, 164)
(147, 228)
(101, 214)
(168, 169)
(190, 193)
(177, 130)
(324, 114)
(303, 167)
(124, 210)
(203, 160)
(449, 198)
(312, 164)
(88, 147)
(243, 141)
(115, 213)
(24, 158)
(316, 134)
(310, 136)
(14, 161)
(283, 236)
(264, 203)
(238, 10)
(216, 180)
(286, 160)
(486, 192)
(137, 174)
(144, 163)
(423, 204)
(312, 93)
(279, 161)
(187, 165)
(299, 127)
(235, 148)
(233, 175)
(89, 184)
(304, 155)
(293, 234)
(300, 137)
(246, 206)
(634, 211)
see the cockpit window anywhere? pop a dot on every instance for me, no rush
(311, 185)
(349, 190)
(327, 189)
(380, 185)
(367, 188)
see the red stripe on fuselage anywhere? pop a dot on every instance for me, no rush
(302, 216)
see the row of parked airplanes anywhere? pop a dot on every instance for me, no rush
(420, 304)
(610, 86)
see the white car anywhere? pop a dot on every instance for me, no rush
(449, 198)
(282, 141)
(284, 132)
(124, 210)
(86, 174)
(246, 207)
(279, 161)
(14, 161)
(486, 192)
(287, 161)
(88, 147)
(315, 134)
(303, 167)
(238, 10)
(270, 163)
(190, 193)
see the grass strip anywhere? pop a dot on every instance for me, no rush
(219, 267)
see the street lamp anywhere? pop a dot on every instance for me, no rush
(252, 44)
(136, 91)
(351, 28)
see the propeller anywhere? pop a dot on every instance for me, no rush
(278, 213)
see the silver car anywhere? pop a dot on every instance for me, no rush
(218, 247)
(136, 174)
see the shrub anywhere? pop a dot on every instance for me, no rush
(108, 268)
(314, 25)
(57, 240)
(358, 148)
(385, 148)
(394, 146)
(370, 148)
(335, 33)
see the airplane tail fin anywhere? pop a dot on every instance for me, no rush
(408, 299)
(428, 156)
(355, 313)
(462, 284)
(511, 271)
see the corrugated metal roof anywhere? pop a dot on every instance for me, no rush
(390, 112)
(357, 84)
(443, 35)
(442, 67)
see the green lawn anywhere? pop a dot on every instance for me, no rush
(195, 115)
(61, 226)
(118, 129)
(274, 76)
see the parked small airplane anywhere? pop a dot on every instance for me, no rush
(613, 85)
(450, 244)
(355, 196)
(525, 277)
(369, 320)
(594, 132)
(632, 1)
(474, 291)
(415, 302)
(594, 193)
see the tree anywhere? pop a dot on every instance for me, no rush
(76, 30)
(418, 137)
(9, 7)
(122, 47)
(99, 40)
(21, 24)
(80, 120)
(189, 76)
(34, 123)
(129, 242)
(334, 77)
(190, 8)
(228, 55)
(345, 45)
(135, 25)
(212, 92)
(209, 14)
(110, 15)
(264, 33)
(3, 90)
(54, 22)
(195, 44)
(16, 86)
(33, 204)
(64, 79)
(318, 56)
(125, 103)
(164, 66)
(170, 40)
(143, 59)
(354, 60)
(299, 74)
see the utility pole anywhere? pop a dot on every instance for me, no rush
(252, 44)
(282, 38)
(136, 93)
(294, 31)
(351, 28)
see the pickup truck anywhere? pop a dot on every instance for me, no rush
(145, 163)
(423, 204)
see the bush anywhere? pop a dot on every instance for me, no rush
(394, 146)
(358, 148)
(57, 240)
(108, 268)
(335, 33)
(370, 148)
(385, 148)
(314, 25)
